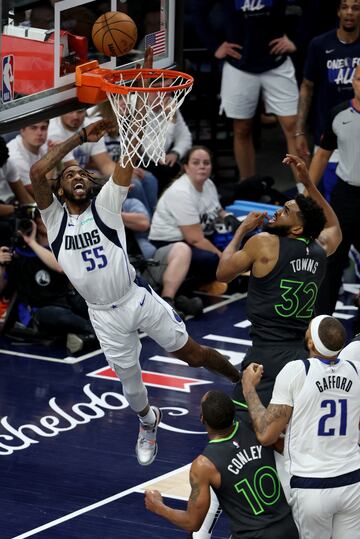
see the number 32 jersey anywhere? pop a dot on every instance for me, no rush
(280, 305)
(91, 247)
(323, 432)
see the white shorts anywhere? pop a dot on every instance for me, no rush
(240, 91)
(140, 309)
(327, 513)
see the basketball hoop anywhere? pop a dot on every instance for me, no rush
(144, 102)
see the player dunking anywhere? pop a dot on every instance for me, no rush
(88, 239)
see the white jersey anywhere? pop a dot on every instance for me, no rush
(24, 158)
(91, 247)
(351, 352)
(180, 205)
(322, 436)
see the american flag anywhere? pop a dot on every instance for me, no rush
(157, 41)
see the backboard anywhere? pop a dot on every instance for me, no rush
(42, 41)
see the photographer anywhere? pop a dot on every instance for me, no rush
(12, 193)
(47, 301)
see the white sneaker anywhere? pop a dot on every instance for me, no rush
(146, 446)
(74, 343)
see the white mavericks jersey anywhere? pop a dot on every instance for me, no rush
(322, 436)
(91, 247)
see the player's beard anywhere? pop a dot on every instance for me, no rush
(277, 230)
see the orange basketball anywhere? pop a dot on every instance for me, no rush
(114, 33)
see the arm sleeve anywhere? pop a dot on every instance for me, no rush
(288, 383)
(112, 196)
(12, 174)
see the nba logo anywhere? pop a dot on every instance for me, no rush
(7, 78)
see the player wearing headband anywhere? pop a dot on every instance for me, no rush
(319, 399)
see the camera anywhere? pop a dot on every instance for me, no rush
(24, 216)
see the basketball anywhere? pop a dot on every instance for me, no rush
(114, 33)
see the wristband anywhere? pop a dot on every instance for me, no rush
(299, 134)
(83, 135)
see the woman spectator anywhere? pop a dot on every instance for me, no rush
(188, 211)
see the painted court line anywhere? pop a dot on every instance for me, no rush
(232, 340)
(98, 504)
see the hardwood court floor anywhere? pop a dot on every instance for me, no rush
(67, 436)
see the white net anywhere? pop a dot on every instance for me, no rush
(144, 116)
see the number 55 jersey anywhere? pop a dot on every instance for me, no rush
(91, 247)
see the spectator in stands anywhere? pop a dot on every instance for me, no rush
(188, 211)
(342, 132)
(91, 155)
(46, 299)
(329, 69)
(144, 184)
(12, 193)
(178, 142)
(167, 266)
(27, 148)
(255, 55)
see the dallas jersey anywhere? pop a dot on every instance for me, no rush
(91, 247)
(322, 436)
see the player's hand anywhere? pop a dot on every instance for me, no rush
(251, 376)
(282, 45)
(253, 220)
(97, 130)
(148, 58)
(228, 49)
(302, 172)
(5, 255)
(153, 499)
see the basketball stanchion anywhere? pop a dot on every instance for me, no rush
(144, 102)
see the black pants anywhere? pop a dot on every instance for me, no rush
(284, 529)
(273, 357)
(60, 320)
(345, 200)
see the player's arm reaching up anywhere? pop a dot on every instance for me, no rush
(42, 189)
(232, 261)
(331, 236)
(92, 133)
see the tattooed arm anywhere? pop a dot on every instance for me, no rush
(42, 190)
(305, 99)
(202, 474)
(268, 422)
